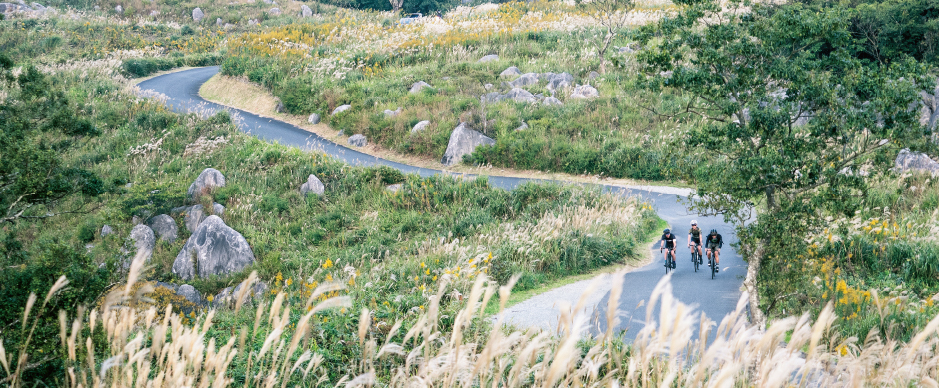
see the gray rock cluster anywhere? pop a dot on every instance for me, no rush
(305, 11)
(119, 9)
(209, 179)
(194, 215)
(197, 15)
(274, 11)
(280, 108)
(463, 141)
(358, 140)
(516, 94)
(510, 72)
(313, 185)
(34, 9)
(218, 22)
(551, 101)
(526, 79)
(341, 108)
(908, 161)
(929, 109)
(213, 249)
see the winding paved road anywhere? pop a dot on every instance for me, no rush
(715, 297)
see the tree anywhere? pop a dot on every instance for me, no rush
(396, 5)
(611, 17)
(792, 116)
(38, 125)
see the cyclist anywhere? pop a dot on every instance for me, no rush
(694, 237)
(714, 242)
(668, 242)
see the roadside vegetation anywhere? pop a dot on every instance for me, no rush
(382, 280)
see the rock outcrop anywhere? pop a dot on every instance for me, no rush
(418, 86)
(392, 113)
(213, 250)
(313, 185)
(228, 296)
(463, 141)
(552, 101)
(916, 162)
(489, 58)
(520, 95)
(522, 127)
(106, 230)
(144, 241)
(341, 108)
(209, 179)
(305, 11)
(119, 9)
(358, 140)
(559, 81)
(274, 11)
(164, 227)
(197, 15)
(420, 126)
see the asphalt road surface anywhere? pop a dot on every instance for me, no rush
(716, 298)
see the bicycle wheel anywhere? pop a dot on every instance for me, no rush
(694, 258)
(712, 269)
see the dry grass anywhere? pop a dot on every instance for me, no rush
(157, 349)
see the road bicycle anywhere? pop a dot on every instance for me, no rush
(669, 260)
(695, 257)
(711, 261)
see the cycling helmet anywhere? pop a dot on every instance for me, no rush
(694, 222)
(713, 231)
(666, 231)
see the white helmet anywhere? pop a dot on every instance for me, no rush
(694, 222)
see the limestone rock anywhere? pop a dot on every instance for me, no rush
(510, 72)
(165, 227)
(929, 109)
(214, 249)
(559, 81)
(341, 108)
(196, 214)
(313, 185)
(916, 162)
(492, 97)
(197, 15)
(97, 8)
(593, 75)
(154, 13)
(313, 119)
(144, 241)
(106, 230)
(218, 22)
(393, 188)
(585, 92)
(418, 86)
(274, 11)
(280, 107)
(552, 101)
(522, 127)
(463, 141)
(625, 49)
(358, 140)
(487, 86)
(252, 22)
(229, 295)
(420, 126)
(520, 95)
(305, 11)
(207, 180)
(190, 293)
(489, 58)
(119, 9)
(391, 113)
(525, 80)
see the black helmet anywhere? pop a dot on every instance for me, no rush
(713, 231)
(666, 231)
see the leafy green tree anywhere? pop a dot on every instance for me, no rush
(793, 119)
(610, 16)
(38, 125)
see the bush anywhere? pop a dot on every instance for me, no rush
(142, 67)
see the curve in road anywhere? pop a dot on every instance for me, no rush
(716, 298)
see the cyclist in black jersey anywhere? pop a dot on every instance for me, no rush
(694, 237)
(668, 242)
(714, 242)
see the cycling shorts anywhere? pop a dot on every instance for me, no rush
(713, 245)
(696, 240)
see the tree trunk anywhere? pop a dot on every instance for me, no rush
(754, 260)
